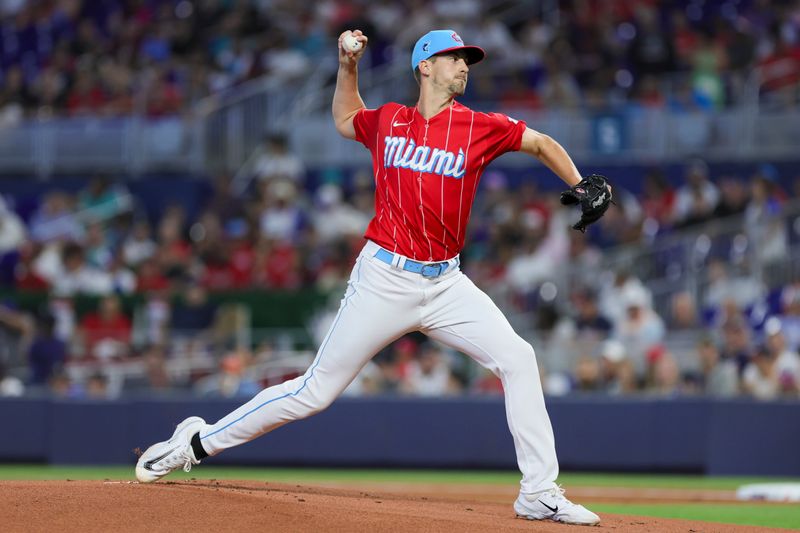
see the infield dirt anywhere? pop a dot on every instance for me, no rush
(199, 506)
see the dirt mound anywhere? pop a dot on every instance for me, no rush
(122, 506)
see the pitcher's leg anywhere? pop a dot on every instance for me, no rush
(367, 320)
(468, 320)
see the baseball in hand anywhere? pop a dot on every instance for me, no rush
(350, 43)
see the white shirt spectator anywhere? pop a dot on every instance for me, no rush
(12, 229)
(85, 280)
(334, 219)
(11, 387)
(138, 247)
(435, 382)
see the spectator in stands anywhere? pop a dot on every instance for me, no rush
(583, 254)
(718, 377)
(97, 387)
(658, 197)
(429, 374)
(106, 333)
(138, 246)
(666, 376)
(174, 253)
(617, 373)
(790, 314)
(240, 252)
(780, 72)
(276, 265)
(743, 290)
(10, 386)
(102, 201)
(697, 199)
(12, 229)
(651, 51)
(156, 377)
(280, 217)
(27, 276)
(277, 162)
(334, 218)
(760, 378)
(150, 277)
(75, 276)
(16, 328)
(495, 37)
(123, 280)
(588, 320)
(736, 345)
(519, 95)
(641, 328)
(684, 315)
(47, 353)
(733, 197)
(787, 361)
(622, 223)
(708, 61)
(224, 200)
(193, 315)
(612, 295)
(152, 319)
(559, 88)
(55, 220)
(763, 221)
(587, 375)
(232, 380)
(97, 248)
(368, 381)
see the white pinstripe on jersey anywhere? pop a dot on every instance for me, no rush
(446, 147)
(466, 157)
(386, 182)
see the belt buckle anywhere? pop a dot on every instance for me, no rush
(433, 271)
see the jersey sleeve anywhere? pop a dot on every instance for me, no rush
(504, 134)
(366, 124)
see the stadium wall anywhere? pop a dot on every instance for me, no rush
(731, 437)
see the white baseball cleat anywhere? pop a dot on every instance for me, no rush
(163, 457)
(553, 505)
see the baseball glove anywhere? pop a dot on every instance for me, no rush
(594, 196)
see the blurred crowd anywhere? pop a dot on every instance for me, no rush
(154, 324)
(158, 57)
(153, 279)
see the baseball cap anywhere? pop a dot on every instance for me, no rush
(440, 41)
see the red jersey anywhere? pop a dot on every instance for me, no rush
(427, 173)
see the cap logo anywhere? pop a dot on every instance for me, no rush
(426, 46)
(456, 38)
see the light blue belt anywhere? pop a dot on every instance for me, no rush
(428, 270)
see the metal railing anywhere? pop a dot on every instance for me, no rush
(226, 130)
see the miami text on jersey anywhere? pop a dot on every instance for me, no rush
(401, 152)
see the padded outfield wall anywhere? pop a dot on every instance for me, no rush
(732, 437)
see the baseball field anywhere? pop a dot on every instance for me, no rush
(89, 499)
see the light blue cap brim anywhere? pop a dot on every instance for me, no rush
(441, 41)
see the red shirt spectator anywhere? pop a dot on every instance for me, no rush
(150, 278)
(107, 332)
(780, 69)
(276, 266)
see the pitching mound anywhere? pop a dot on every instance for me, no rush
(121, 506)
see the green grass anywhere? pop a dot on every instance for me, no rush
(307, 475)
(784, 516)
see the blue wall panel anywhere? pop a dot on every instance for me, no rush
(734, 437)
(24, 430)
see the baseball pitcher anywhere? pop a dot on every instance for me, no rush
(427, 161)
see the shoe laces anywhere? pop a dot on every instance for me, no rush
(182, 458)
(557, 493)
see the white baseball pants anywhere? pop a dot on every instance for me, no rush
(382, 303)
